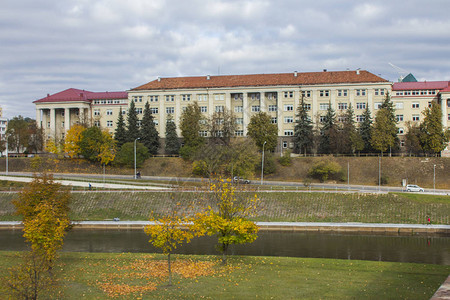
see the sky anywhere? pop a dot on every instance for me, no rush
(47, 46)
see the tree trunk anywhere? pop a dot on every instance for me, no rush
(224, 253)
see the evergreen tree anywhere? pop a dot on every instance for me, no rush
(328, 132)
(351, 139)
(365, 130)
(120, 135)
(132, 126)
(412, 138)
(432, 136)
(392, 120)
(149, 134)
(172, 142)
(303, 131)
(384, 133)
(190, 126)
(261, 129)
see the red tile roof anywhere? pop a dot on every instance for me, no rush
(310, 78)
(421, 85)
(81, 95)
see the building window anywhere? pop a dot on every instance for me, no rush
(203, 133)
(62, 113)
(156, 122)
(399, 105)
(186, 97)
(361, 105)
(273, 108)
(415, 105)
(62, 124)
(289, 119)
(416, 117)
(307, 106)
(238, 97)
(239, 132)
(97, 123)
(109, 112)
(153, 98)
(255, 108)
(109, 123)
(124, 111)
(139, 110)
(360, 93)
(239, 121)
(322, 119)
(342, 93)
(289, 132)
(273, 120)
(289, 94)
(342, 106)
(377, 105)
(285, 144)
(399, 118)
(360, 118)
(324, 106)
(170, 110)
(448, 118)
(306, 94)
(324, 93)
(219, 108)
(96, 112)
(402, 143)
(203, 109)
(170, 98)
(288, 107)
(271, 96)
(238, 109)
(401, 130)
(341, 119)
(379, 92)
(153, 110)
(135, 99)
(219, 97)
(202, 97)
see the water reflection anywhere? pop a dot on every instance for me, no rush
(419, 249)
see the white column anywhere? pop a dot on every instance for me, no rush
(245, 112)
(81, 114)
(39, 117)
(262, 101)
(444, 112)
(52, 122)
(66, 119)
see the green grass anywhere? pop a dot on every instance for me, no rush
(277, 206)
(246, 278)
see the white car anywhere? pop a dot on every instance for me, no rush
(414, 188)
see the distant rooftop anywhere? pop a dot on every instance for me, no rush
(421, 85)
(81, 95)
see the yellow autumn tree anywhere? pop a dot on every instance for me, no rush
(227, 216)
(169, 231)
(72, 140)
(51, 146)
(107, 149)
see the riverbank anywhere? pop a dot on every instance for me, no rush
(367, 228)
(132, 276)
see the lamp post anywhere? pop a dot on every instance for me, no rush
(434, 179)
(262, 163)
(135, 174)
(6, 156)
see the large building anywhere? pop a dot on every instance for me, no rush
(244, 95)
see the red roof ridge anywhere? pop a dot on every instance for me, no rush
(72, 94)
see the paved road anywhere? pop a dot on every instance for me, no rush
(266, 184)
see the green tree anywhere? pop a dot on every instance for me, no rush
(149, 134)
(132, 123)
(325, 169)
(261, 129)
(120, 134)
(384, 132)
(350, 136)
(432, 136)
(227, 216)
(172, 142)
(329, 132)
(37, 139)
(72, 140)
(365, 130)
(97, 145)
(125, 156)
(412, 138)
(303, 131)
(222, 126)
(18, 133)
(190, 125)
(392, 120)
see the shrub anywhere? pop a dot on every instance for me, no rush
(325, 169)
(200, 168)
(285, 160)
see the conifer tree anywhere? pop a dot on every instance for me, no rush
(328, 132)
(303, 131)
(132, 126)
(149, 134)
(432, 136)
(365, 130)
(120, 135)
(388, 105)
(172, 141)
(384, 134)
(190, 126)
(351, 139)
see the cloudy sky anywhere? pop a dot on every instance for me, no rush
(47, 46)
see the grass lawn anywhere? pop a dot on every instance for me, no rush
(143, 276)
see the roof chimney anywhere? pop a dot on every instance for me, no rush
(159, 79)
(48, 95)
(295, 73)
(357, 71)
(324, 70)
(208, 77)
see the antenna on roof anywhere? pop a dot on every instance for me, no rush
(402, 72)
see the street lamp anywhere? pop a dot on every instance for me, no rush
(262, 163)
(135, 174)
(7, 156)
(434, 179)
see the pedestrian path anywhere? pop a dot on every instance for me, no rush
(87, 185)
